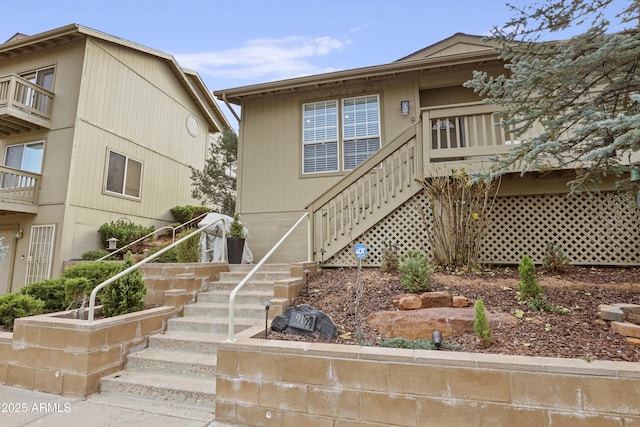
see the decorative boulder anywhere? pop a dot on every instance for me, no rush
(305, 320)
(409, 302)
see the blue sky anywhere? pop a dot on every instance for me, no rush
(237, 43)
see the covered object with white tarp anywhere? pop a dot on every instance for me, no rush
(213, 242)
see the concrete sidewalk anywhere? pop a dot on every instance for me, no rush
(20, 407)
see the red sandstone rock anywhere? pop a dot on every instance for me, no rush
(420, 324)
(435, 299)
(460, 301)
(409, 302)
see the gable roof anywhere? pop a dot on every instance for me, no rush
(457, 49)
(21, 44)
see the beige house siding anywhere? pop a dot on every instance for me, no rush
(109, 94)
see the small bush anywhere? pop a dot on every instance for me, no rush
(555, 260)
(420, 344)
(51, 292)
(184, 214)
(166, 257)
(94, 255)
(189, 250)
(77, 292)
(481, 324)
(124, 232)
(390, 260)
(529, 288)
(16, 305)
(236, 229)
(416, 272)
(94, 273)
(125, 295)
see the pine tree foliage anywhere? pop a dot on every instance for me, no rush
(215, 185)
(584, 91)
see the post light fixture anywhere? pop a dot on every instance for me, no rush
(267, 305)
(113, 243)
(404, 107)
(436, 337)
(322, 252)
(306, 272)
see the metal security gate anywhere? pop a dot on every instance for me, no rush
(40, 253)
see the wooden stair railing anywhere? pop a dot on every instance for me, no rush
(366, 195)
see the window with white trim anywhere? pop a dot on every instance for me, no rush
(360, 129)
(321, 140)
(124, 175)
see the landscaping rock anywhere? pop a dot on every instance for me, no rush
(435, 299)
(410, 302)
(323, 325)
(420, 324)
(460, 301)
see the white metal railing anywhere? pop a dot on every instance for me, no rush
(232, 296)
(166, 227)
(92, 297)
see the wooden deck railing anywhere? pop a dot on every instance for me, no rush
(19, 186)
(18, 93)
(446, 138)
(367, 194)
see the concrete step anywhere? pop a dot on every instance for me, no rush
(263, 267)
(193, 342)
(221, 310)
(242, 297)
(176, 390)
(209, 325)
(237, 276)
(172, 362)
(250, 286)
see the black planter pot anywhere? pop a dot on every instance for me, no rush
(235, 247)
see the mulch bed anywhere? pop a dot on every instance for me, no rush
(579, 334)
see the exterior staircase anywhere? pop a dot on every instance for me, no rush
(176, 373)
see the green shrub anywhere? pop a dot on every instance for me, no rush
(95, 272)
(416, 272)
(77, 292)
(94, 255)
(184, 214)
(389, 260)
(125, 295)
(166, 257)
(125, 232)
(236, 229)
(16, 305)
(420, 344)
(51, 292)
(189, 250)
(528, 285)
(555, 260)
(481, 324)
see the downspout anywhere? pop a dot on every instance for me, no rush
(224, 98)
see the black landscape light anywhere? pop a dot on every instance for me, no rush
(266, 304)
(306, 272)
(436, 337)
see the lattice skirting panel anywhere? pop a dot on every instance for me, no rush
(592, 230)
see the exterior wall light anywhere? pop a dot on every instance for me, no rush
(404, 107)
(19, 233)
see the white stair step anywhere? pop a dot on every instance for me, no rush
(250, 311)
(194, 342)
(173, 362)
(186, 391)
(242, 297)
(208, 324)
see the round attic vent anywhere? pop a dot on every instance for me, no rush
(192, 126)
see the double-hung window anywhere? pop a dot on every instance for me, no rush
(124, 175)
(320, 137)
(356, 136)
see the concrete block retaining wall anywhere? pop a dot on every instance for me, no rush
(277, 383)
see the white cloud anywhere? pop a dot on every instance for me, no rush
(264, 59)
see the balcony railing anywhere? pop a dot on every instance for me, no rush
(18, 186)
(464, 136)
(24, 106)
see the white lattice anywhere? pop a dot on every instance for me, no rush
(591, 230)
